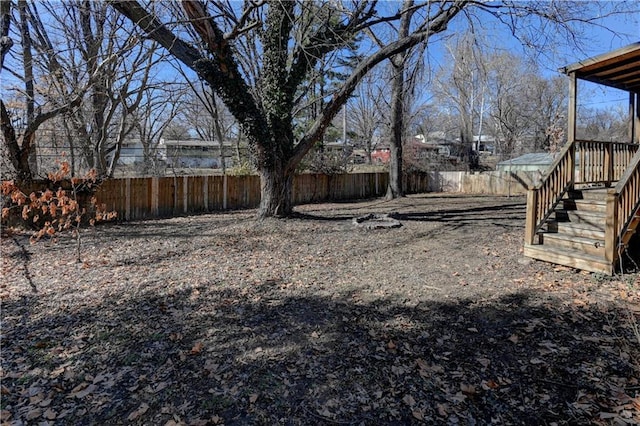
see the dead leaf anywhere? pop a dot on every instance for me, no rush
(408, 399)
(253, 398)
(50, 414)
(81, 390)
(490, 384)
(484, 362)
(468, 389)
(197, 348)
(138, 412)
(34, 413)
(443, 410)
(418, 414)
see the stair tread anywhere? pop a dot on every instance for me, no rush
(568, 252)
(569, 257)
(585, 212)
(586, 201)
(574, 238)
(577, 225)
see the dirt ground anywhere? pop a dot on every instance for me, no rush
(222, 319)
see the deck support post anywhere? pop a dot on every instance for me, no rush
(610, 234)
(571, 128)
(531, 219)
(632, 117)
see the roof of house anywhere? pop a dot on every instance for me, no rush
(536, 158)
(193, 143)
(619, 69)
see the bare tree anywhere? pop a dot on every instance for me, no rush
(365, 112)
(19, 130)
(292, 43)
(292, 38)
(77, 59)
(205, 114)
(459, 85)
(106, 117)
(156, 112)
(603, 125)
(520, 110)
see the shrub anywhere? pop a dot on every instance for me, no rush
(49, 212)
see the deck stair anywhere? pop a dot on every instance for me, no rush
(574, 233)
(583, 211)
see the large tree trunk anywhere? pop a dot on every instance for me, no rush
(395, 188)
(276, 185)
(398, 63)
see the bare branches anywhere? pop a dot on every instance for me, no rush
(151, 25)
(5, 24)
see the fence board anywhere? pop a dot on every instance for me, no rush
(172, 196)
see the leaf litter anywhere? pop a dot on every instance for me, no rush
(222, 319)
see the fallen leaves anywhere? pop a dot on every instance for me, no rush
(141, 410)
(197, 348)
(186, 330)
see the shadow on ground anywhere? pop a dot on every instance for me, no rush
(210, 355)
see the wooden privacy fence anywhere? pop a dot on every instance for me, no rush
(150, 197)
(139, 198)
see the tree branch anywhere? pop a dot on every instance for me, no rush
(438, 23)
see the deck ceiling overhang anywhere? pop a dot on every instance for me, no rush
(619, 69)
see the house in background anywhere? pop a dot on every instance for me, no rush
(484, 144)
(187, 153)
(381, 153)
(534, 162)
(131, 152)
(191, 153)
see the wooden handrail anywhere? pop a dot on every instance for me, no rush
(603, 161)
(600, 162)
(623, 202)
(543, 197)
(554, 165)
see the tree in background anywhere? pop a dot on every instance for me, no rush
(156, 112)
(79, 63)
(32, 109)
(460, 87)
(603, 125)
(523, 104)
(292, 43)
(501, 94)
(365, 112)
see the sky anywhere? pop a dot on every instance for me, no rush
(609, 34)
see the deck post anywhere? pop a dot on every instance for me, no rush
(571, 126)
(608, 164)
(635, 119)
(610, 230)
(531, 219)
(632, 117)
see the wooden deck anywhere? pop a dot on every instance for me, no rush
(584, 211)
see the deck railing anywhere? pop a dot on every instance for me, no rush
(623, 203)
(602, 162)
(598, 162)
(542, 199)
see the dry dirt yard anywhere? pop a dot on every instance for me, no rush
(222, 319)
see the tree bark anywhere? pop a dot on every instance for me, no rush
(395, 188)
(276, 185)
(398, 62)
